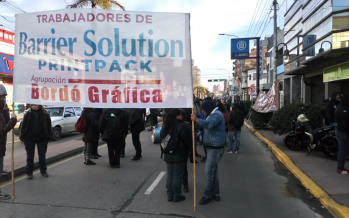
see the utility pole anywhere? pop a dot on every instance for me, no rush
(275, 3)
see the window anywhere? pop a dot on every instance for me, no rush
(78, 111)
(249, 77)
(10, 37)
(55, 111)
(6, 36)
(69, 111)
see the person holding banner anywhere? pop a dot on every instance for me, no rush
(36, 130)
(214, 140)
(5, 127)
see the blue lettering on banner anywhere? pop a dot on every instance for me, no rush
(6, 64)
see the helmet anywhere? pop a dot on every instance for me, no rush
(3, 90)
(302, 119)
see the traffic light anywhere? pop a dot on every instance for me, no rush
(217, 80)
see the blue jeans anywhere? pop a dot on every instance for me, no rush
(211, 171)
(343, 148)
(1, 166)
(234, 135)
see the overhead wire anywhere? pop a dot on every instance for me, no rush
(14, 6)
(248, 31)
(258, 20)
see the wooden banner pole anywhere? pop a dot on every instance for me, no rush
(13, 157)
(194, 162)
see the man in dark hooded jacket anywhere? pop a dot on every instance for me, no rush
(91, 135)
(113, 126)
(331, 107)
(342, 133)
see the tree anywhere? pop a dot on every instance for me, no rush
(201, 90)
(104, 4)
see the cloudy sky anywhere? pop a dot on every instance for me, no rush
(210, 51)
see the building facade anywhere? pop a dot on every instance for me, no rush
(317, 36)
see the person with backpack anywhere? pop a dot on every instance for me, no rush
(214, 140)
(235, 122)
(36, 130)
(176, 140)
(113, 126)
(90, 135)
(5, 127)
(136, 127)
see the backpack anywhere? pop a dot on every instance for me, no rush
(238, 120)
(170, 143)
(81, 124)
(114, 126)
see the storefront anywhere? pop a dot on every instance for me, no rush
(337, 78)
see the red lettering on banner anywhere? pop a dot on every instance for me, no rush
(134, 95)
(35, 91)
(90, 19)
(148, 18)
(53, 91)
(45, 95)
(93, 94)
(104, 95)
(66, 17)
(127, 18)
(58, 18)
(144, 98)
(139, 18)
(116, 95)
(63, 94)
(157, 96)
(127, 94)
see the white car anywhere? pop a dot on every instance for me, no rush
(63, 120)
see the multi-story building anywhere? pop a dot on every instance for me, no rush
(196, 73)
(219, 88)
(317, 37)
(214, 88)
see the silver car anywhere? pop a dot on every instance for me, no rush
(63, 120)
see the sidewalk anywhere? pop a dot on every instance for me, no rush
(317, 166)
(68, 146)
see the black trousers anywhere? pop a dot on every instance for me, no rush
(95, 147)
(123, 146)
(30, 148)
(137, 143)
(185, 176)
(114, 151)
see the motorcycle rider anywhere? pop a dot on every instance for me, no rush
(342, 133)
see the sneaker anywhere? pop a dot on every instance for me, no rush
(117, 166)
(216, 198)
(4, 197)
(44, 175)
(169, 198)
(95, 157)
(196, 162)
(89, 162)
(30, 177)
(230, 152)
(185, 189)
(205, 200)
(179, 198)
(111, 166)
(135, 158)
(98, 155)
(344, 171)
(236, 152)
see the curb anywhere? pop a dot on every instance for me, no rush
(337, 209)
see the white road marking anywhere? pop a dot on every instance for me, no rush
(155, 183)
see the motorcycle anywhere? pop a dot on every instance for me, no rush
(323, 140)
(296, 139)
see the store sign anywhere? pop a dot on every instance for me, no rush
(6, 64)
(337, 72)
(240, 48)
(103, 59)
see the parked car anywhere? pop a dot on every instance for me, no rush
(63, 120)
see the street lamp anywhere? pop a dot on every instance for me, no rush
(223, 34)
(286, 52)
(322, 49)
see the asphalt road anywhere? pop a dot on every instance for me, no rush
(253, 184)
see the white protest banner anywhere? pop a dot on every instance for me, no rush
(103, 59)
(268, 102)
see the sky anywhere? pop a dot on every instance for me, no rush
(210, 51)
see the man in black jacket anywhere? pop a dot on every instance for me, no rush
(342, 133)
(113, 126)
(36, 122)
(91, 135)
(98, 113)
(331, 107)
(136, 127)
